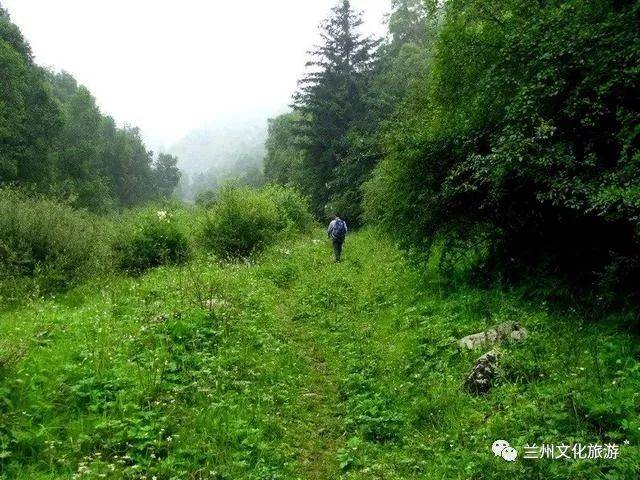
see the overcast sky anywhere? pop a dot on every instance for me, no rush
(172, 66)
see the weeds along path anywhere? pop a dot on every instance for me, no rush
(331, 319)
(321, 432)
(344, 316)
(196, 372)
(296, 368)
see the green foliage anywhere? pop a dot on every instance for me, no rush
(47, 245)
(78, 154)
(524, 134)
(167, 174)
(100, 166)
(503, 135)
(292, 207)
(284, 162)
(54, 139)
(206, 198)
(329, 145)
(136, 378)
(408, 21)
(241, 222)
(29, 118)
(150, 238)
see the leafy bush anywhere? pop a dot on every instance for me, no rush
(206, 198)
(46, 244)
(150, 238)
(243, 221)
(293, 208)
(524, 136)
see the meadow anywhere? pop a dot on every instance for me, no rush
(285, 365)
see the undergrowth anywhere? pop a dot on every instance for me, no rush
(291, 367)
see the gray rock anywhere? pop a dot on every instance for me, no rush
(480, 379)
(158, 319)
(512, 331)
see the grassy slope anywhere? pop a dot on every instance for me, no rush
(302, 369)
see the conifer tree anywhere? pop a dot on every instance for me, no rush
(330, 98)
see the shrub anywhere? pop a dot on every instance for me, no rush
(293, 208)
(206, 198)
(150, 238)
(241, 221)
(46, 244)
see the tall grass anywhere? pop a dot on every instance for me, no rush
(47, 246)
(300, 368)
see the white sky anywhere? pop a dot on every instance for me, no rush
(172, 66)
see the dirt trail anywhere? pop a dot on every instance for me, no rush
(324, 432)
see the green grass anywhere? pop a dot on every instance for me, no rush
(303, 369)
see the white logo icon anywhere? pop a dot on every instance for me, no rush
(509, 454)
(501, 448)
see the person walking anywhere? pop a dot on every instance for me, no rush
(337, 232)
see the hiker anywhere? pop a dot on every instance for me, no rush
(337, 232)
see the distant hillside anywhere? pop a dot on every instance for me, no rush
(229, 148)
(221, 145)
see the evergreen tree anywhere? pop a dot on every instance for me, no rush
(330, 98)
(399, 61)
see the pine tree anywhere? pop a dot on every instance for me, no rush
(330, 98)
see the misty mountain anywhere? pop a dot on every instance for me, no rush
(222, 146)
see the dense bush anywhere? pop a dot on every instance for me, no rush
(524, 135)
(150, 238)
(48, 244)
(242, 220)
(293, 208)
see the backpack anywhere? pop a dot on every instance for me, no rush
(339, 230)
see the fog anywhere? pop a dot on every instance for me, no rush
(174, 67)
